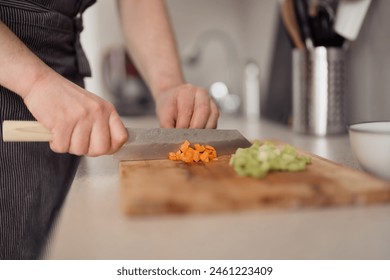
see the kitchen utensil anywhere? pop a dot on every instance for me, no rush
(163, 186)
(155, 143)
(142, 143)
(319, 91)
(350, 16)
(370, 143)
(322, 25)
(301, 11)
(24, 131)
(290, 22)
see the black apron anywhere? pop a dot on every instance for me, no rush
(34, 181)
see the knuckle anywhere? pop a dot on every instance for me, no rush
(99, 150)
(122, 139)
(110, 107)
(60, 147)
(187, 112)
(187, 87)
(94, 152)
(97, 108)
(118, 142)
(82, 113)
(204, 108)
(78, 150)
(203, 91)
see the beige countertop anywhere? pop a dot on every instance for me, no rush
(91, 225)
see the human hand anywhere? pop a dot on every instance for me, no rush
(186, 106)
(81, 122)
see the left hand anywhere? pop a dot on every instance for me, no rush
(186, 106)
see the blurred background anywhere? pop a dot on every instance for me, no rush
(240, 51)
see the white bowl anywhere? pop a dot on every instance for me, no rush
(370, 142)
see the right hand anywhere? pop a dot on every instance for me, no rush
(81, 122)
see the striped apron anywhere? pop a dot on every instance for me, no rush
(34, 181)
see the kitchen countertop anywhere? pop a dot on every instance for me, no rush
(91, 225)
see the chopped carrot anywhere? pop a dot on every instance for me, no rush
(199, 147)
(189, 153)
(197, 153)
(213, 154)
(208, 147)
(187, 159)
(172, 156)
(184, 146)
(196, 156)
(204, 157)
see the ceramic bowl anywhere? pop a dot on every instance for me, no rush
(370, 143)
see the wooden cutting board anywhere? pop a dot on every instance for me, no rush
(163, 186)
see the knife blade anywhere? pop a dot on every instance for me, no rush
(142, 143)
(156, 143)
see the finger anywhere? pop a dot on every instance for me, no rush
(80, 139)
(100, 139)
(61, 138)
(212, 122)
(118, 132)
(202, 110)
(185, 108)
(167, 121)
(167, 116)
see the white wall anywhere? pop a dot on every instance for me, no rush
(369, 67)
(249, 23)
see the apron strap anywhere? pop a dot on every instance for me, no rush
(81, 58)
(82, 61)
(85, 4)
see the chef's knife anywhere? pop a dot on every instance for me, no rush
(143, 143)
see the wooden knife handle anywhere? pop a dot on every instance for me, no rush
(25, 131)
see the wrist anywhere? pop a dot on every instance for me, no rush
(36, 79)
(165, 85)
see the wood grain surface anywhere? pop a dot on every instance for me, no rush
(163, 186)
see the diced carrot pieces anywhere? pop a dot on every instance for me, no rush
(199, 147)
(184, 146)
(213, 154)
(172, 156)
(204, 156)
(187, 159)
(208, 147)
(196, 155)
(189, 154)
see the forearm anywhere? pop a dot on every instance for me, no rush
(19, 67)
(151, 43)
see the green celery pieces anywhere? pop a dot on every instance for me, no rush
(259, 159)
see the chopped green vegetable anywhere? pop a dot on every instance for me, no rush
(259, 159)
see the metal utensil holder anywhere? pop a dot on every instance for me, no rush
(319, 91)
